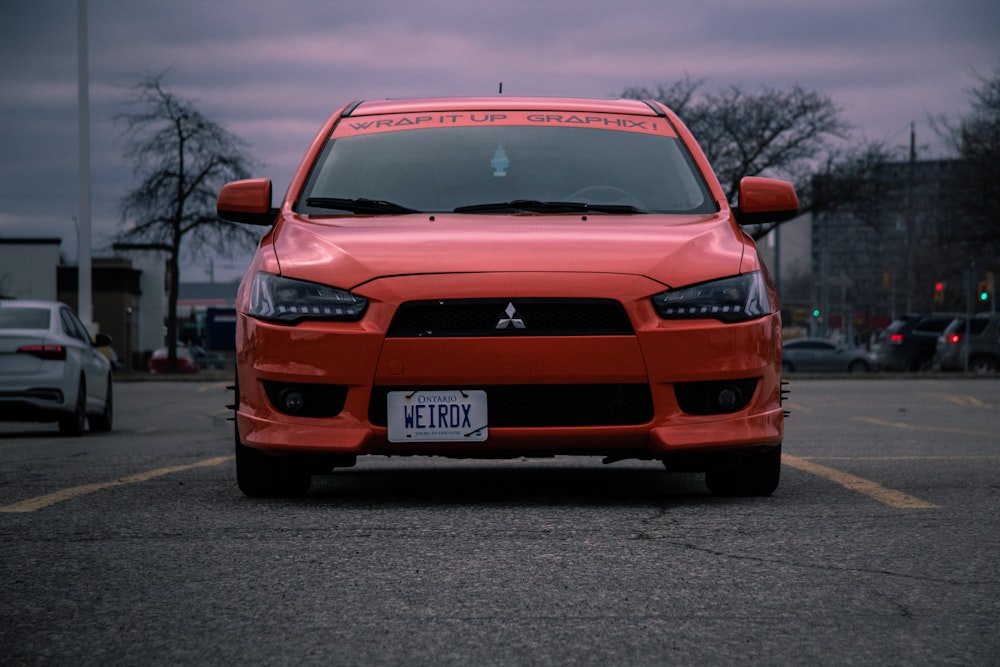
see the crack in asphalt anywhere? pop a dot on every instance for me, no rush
(813, 566)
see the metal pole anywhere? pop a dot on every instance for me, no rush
(910, 217)
(84, 298)
(970, 296)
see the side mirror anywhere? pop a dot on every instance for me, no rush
(764, 200)
(102, 340)
(247, 201)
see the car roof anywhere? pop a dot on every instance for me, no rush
(807, 340)
(502, 103)
(31, 303)
(916, 318)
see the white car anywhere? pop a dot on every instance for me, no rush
(51, 370)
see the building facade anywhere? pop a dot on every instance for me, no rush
(900, 247)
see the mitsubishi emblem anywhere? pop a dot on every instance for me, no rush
(510, 320)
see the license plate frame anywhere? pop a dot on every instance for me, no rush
(437, 415)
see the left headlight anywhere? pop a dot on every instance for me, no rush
(734, 299)
(285, 300)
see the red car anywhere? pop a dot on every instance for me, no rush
(185, 361)
(507, 277)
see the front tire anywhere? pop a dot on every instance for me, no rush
(261, 476)
(983, 365)
(746, 474)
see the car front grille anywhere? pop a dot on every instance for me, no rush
(536, 406)
(510, 317)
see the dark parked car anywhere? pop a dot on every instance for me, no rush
(817, 354)
(908, 343)
(983, 345)
(207, 358)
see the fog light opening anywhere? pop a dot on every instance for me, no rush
(729, 397)
(292, 401)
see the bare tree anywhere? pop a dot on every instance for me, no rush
(849, 182)
(975, 138)
(181, 159)
(677, 96)
(770, 132)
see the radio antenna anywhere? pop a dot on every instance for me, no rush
(500, 92)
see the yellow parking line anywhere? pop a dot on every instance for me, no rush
(213, 386)
(964, 400)
(936, 429)
(904, 458)
(866, 487)
(41, 502)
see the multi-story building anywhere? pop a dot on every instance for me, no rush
(900, 246)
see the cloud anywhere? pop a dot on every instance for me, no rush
(273, 71)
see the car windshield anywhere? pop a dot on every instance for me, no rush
(509, 168)
(24, 318)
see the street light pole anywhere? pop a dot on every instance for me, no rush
(85, 306)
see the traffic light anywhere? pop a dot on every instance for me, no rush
(939, 291)
(985, 290)
(815, 312)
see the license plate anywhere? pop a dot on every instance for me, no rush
(437, 416)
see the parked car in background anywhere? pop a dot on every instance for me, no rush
(981, 339)
(185, 361)
(500, 277)
(818, 354)
(51, 370)
(908, 344)
(207, 359)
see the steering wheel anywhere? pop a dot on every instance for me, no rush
(605, 194)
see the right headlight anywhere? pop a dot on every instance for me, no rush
(285, 300)
(734, 299)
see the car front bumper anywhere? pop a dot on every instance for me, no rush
(672, 370)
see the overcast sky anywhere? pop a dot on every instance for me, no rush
(272, 71)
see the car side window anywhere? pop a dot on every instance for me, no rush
(67, 324)
(81, 330)
(73, 327)
(932, 326)
(977, 327)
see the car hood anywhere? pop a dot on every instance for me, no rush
(348, 252)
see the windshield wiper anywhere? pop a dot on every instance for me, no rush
(535, 206)
(360, 205)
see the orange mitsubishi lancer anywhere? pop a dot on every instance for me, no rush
(506, 277)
